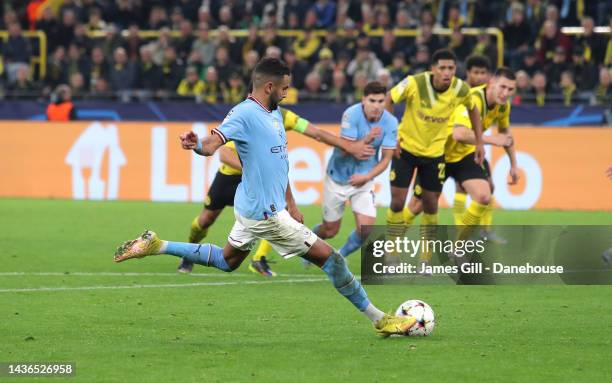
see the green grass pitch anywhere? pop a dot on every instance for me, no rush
(140, 321)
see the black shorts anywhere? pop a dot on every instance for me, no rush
(431, 171)
(466, 169)
(222, 191)
(459, 172)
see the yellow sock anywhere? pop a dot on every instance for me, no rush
(428, 228)
(471, 217)
(487, 218)
(196, 234)
(459, 207)
(263, 250)
(395, 223)
(408, 216)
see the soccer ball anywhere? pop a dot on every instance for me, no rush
(422, 312)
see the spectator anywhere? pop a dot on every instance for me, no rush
(339, 89)
(585, 72)
(121, 76)
(384, 77)
(404, 19)
(312, 87)
(550, 39)
(556, 67)
(226, 17)
(65, 32)
(517, 36)
(332, 42)
(48, 23)
(75, 61)
(226, 40)
(77, 84)
(177, 18)
(594, 45)
(99, 68)
(603, 91)
(204, 45)
(538, 88)
(191, 85)
(172, 71)
(56, 68)
(16, 51)
(61, 108)
(365, 62)
(523, 87)
(81, 40)
(459, 45)
(273, 52)
(185, 41)
(271, 38)
(530, 64)
(212, 86)
(111, 41)
(325, 68)
(236, 91)
(298, 68)
(387, 48)
(22, 86)
(485, 48)
(568, 88)
(360, 80)
(133, 42)
(251, 59)
(95, 22)
(158, 18)
(325, 11)
(123, 13)
(252, 42)
(398, 68)
(204, 16)
(421, 60)
(164, 40)
(224, 67)
(148, 74)
(426, 37)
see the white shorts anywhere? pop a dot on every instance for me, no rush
(336, 195)
(286, 235)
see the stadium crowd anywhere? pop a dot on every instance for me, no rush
(195, 55)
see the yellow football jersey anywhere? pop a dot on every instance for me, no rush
(424, 125)
(290, 121)
(498, 115)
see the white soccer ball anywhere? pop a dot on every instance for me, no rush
(422, 312)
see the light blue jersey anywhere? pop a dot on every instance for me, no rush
(261, 143)
(355, 126)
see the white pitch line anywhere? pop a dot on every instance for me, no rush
(170, 285)
(133, 274)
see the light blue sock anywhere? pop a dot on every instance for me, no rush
(353, 242)
(345, 282)
(201, 253)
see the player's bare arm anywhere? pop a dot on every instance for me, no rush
(465, 135)
(361, 149)
(209, 144)
(477, 126)
(292, 206)
(358, 180)
(229, 157)
(511, 152)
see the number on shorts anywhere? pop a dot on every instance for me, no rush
(441, 170)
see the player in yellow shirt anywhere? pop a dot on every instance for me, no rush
(430, 97)
(229, 175)
(493, 100)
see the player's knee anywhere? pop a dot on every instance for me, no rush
(483, 198)
(396, 205)
(328, 231)
(232, 263)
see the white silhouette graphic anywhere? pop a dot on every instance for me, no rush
(88, 153)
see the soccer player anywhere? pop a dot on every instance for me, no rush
(264, 206)
(431, 98)
(493, 99)
(229, 175)
(350, 179)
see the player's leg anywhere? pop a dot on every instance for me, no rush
(432, 173)
(487, 218)
(400, 176)
(259, 262)
(240, 243)
(459, 202)
(474, 180)
(334, 200)
(291, 238)
(364, 209)
(199, 230)
(415, 205)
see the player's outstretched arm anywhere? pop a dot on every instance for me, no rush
(358, 180)
(389, 103)
(466, 135)
(205, 147)
(229, 157)
(477, 126)
(513, 173)
(361, 149)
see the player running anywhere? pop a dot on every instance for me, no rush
(431, 98)
(350, 179)
(264, 206)
(223, 188)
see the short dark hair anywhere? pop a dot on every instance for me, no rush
(374, 87)
(443, 54)
(478, 61)
(505, 72)
(269, 68)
